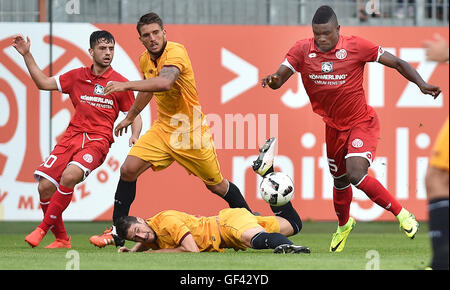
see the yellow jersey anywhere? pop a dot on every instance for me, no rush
(172, 226)
(211, 234)
(179, 107)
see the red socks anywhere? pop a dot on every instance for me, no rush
(378, 194)
(341, 200)
(53, 212)
(373, 189)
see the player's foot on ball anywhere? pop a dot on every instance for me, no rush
(60, 244)
(408, 223)
(291, 249)
(265, 158)
(107, 238)
(35, 237)
(340, 236)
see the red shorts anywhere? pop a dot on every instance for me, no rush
(87, 151)
(361, 140)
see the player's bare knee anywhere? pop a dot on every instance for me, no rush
(219, 189)
(71, 176)
(128, 173)
(46, 189)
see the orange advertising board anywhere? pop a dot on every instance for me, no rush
(229, 62)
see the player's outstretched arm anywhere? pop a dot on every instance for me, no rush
(187, 245)
(406, 70)
(42, 81)
(161, 83)
(276, 80)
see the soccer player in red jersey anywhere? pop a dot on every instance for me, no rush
(332, 68)
(88, 137)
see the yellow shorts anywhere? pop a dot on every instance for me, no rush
(439, 155)
(234, 221)
(156, 147)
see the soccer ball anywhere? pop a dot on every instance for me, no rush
(277, 188)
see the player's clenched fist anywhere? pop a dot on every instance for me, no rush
(271, 81)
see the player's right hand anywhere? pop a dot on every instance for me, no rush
(123, 250)
(270, 80)
(22, 46)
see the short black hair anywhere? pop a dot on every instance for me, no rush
(149, 18)
(324, 14)
(123, 224)
(100, 35)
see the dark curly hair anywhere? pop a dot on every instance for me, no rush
(100, 35)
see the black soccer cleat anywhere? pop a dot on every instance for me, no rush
(291, 249)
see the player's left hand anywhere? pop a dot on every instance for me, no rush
(132, 141)
(432, 90)
(112, 87)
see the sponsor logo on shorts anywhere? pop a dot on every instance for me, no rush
(357, 143)
(88, 158)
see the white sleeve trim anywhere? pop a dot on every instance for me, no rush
(58, 83)
(286, 63)
(380, 52)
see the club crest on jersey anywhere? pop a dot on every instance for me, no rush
(341, 54)
(327, 67)
(99, 90)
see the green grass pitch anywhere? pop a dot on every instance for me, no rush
(371, 245)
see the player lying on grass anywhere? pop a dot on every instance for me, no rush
(236, 228)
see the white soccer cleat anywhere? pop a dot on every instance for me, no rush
(265, 158)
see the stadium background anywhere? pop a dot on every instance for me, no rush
(232, 45)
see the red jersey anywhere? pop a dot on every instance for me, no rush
(333, 80)
(94, 112)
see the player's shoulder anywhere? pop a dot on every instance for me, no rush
(303, 44)
(354, 40)
(171, 45)
(116, 76)
(175, 48)
(77, 71)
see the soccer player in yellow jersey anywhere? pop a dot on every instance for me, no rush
(437, 177)
(236, 228)
(179, 134)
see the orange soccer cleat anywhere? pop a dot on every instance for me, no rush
(35, 237)
(60, 244)
(104, 239)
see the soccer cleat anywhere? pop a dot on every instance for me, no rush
(340, 236)
(107, 238)
(60, 244)
(291, 249)
(35, 237)
(408, 223)
(265, 158)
